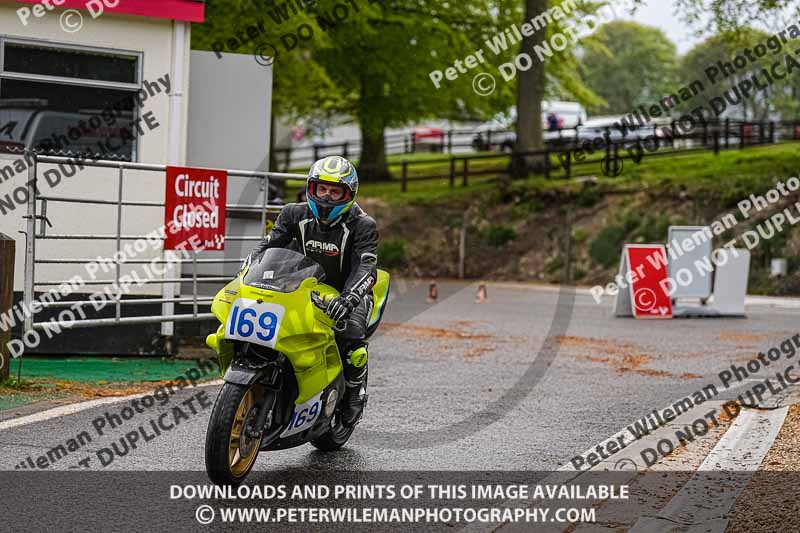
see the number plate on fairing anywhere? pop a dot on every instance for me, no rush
(251, 321)
(304, 416)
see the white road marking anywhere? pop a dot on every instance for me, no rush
(705, 502)
(567, 473)
(771, 301)
(747, 441)
(631, 439)
(73, 408)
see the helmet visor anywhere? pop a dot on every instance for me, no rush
(329, 192)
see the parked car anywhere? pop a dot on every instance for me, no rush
(29, 123)
(428, 138)
(500, 133)
(494, 135)
(598, 129)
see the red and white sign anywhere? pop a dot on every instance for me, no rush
(194, 214)
(648, 287)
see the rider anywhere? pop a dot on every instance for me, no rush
(334, 231)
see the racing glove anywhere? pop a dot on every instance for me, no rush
(340, 307)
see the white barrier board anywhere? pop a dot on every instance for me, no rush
(730, 284)
(690, 246)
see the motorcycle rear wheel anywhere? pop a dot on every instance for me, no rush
(336, 437)
(230, 452)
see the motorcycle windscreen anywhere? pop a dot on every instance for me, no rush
(282, 270)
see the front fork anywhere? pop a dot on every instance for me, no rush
(267, 374)
(272, 382)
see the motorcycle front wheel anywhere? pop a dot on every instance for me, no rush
(230, 451)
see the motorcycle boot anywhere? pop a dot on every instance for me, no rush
(355, 393)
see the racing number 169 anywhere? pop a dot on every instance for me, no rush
(298, 419)
(242, 323)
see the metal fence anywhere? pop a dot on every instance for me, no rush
(37, 211)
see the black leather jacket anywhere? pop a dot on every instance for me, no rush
(347, 250)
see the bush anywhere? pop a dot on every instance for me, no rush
(652, 230)
(554, 266)
(606, 248)
(499, 235)
(589, 196)
(392, 253)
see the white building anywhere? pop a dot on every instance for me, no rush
(52, 74)
(82, 76)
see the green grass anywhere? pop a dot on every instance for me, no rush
(50, 378)
(733, 174)
(107, 369)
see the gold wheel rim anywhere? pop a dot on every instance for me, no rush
(240, 462)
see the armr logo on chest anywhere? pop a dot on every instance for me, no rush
(326, 248)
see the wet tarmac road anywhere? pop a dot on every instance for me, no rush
(524, 381)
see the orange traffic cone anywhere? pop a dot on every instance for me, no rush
(482, 295)
(433, 292)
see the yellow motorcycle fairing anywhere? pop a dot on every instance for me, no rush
(305, 334)
(380, 295)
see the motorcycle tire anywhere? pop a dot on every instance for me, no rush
(333, 439)
(229, 417)
(337, 435)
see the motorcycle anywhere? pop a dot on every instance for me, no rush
(282, 368)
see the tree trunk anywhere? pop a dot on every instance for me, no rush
(530, 93)
(372, 164)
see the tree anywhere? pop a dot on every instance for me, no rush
(531, 88)
(383, 60)
(558, 74)
(722, 48)
(372, 63)
(628, 64)
(728, 15)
